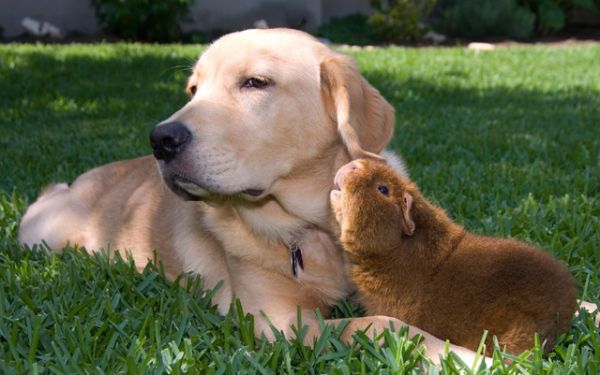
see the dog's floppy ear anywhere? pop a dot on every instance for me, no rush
(408, 224)
(365, 120)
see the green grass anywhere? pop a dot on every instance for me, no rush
(508, 142)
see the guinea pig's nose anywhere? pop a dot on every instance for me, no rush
(343, 171)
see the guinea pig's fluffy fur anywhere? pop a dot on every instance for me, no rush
(410, 261)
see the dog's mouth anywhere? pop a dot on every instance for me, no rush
(187, 189)
(253, 192)
(190, 190)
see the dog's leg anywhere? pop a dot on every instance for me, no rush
(266, 322)
(54, 218)
(435, 348)
(280, 317)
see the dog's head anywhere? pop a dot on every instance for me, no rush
(265, 106)
(373, 206)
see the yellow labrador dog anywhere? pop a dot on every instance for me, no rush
(238, 188)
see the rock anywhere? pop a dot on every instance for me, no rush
(32, 26)
(51, 30)
(261, 24)
(434, 37)
(478, 46)
(40, 29)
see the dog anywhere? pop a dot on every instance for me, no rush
(237, 189)
(409, 260)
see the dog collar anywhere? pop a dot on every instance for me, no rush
(296, 258)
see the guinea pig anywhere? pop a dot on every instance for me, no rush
(410, 261)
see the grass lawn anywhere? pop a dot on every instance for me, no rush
(508, 142)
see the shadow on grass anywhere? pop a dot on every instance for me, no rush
(444, 127)
(66, 114)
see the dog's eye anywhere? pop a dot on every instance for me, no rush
(192, 90)
(383, 190)
(255, 83)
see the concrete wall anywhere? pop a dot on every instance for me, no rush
(78, 15)
(236, 14)
(340, 8)
(66, 14)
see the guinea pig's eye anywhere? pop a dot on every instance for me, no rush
(383, 190)
(255, 83)
(192, 90)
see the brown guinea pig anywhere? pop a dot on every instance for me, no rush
(410, 261)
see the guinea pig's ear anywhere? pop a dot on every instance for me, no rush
(408, 224)
(365, 120)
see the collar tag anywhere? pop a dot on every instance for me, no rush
(296, 259)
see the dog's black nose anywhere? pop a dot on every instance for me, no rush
(169, 139)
